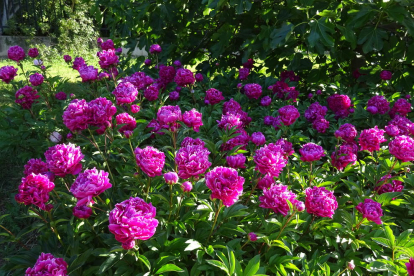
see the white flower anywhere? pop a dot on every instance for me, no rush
(55, 137)
(37, 62)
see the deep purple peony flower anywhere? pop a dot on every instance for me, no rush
(150, 160)
(288, 114)
(321, 125)
(133, 219)
(401, 107)
(340, 105)
(82, 212)
(174, 96)
(61, 96)
(177, 63)
(108, 45)
(171, 178)
(311, 152)
(167, 74)
(7, 73)
(410, 267)
(64, 159)
(266, 101)
(378, 104)
(343, 156)
(270, 159)
(394, 186)
(89, 184)
(231, 106)
(169, 114)
(213, 96)
(289, 75)
(76, 115)
(155, 49)
(320, 202)
(192, 159)
(385, 75)
(147, 62)
(34, 189)
(33, 52)
(199, 77)
(16, 53)
(125, 92)
(276, 197)
(370, 139)
(244, 73)
(36, 79)
(253, 90)
(370, 210)
(26, 96)
(47, 264)
(286, 146)
(184, 77)
(225, 184)
(258, 138)
(236, 161)
(402, 147)
(78, 63)
(268, 120)
(151, 93)
(67, 58)
(193, 119)
(346, 132)
(315, 111)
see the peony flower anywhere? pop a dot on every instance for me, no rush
(236, 161)
(177, 63)
(188, 141)
(100, 112)
(47, 264)
(82, 212)
(370, 139)
(280, 89)
(402, 147)
(311, 152)
(150, 160)
(67, 58)
(135, 108)
(168, 114)
(395, 186)
(151, 93)
(244, 73)
(36, 166)
(286, 147)
(241, 140)
(184, 77)
(265, 182)
(108, 58)
(343, 156)
(225, 184)
(400, 126)
(249, 63)
(133, 219)
(125, 92)
(258, 138)
(26, 96)
(229, 121)
(321, 125)
(252, 237)
(61, 96)
(276, 198)
(289, 75)
(89, 184)
(147, 62)
(33, 52)
(315, 111)
(174, 96)
(370, 210)
(155, 49)
(76, 115)
(36, 79)
(346, 132)
(320, 202)
(139, 79)
(64, 159)
(167, 74)
(270, 159)
(108, 45)
(288, 114)
(7, 73)
(193, 119)
(401, 107)
(268, 120)
(16, 53)
(88, 73)
(78, 63)
(410, 267)
(34, 189)
(385, 75)
(187, 186)
(192, 160)
(171, 178)
(340, 105)
(266, 101)
(213, 96)
(378, 104)
(253, 90)
(231, 106)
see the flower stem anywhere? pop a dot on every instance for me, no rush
(286, 223)
(171, 194)
(215, 220)
(310, 174)
(54, 228)
(359, 224)
(148, 187)
(244, 244)
(252, 191)
(8, 231)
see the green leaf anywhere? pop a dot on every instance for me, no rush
(349, 35)
(278, 36)
(390, 236)
(385, 198)
(396, 12)
(192, 245)
(279, 243)
(80, 260)
(145, 261)
(382, 241)
(109, 262)
(167, 268)
(219, 265)
(327, 13)
(372, 38)
(404, 237)
(252, 267)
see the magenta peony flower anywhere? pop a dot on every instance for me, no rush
(16, 53)
(78, 63)
(392, 130)
(76, 115)
(133, 219)
(253, 90)
(108, 45)
(385, 75)
(252, 237)
(311, 152)
(100, 112)
(150, 160)
(192, 159)
(241, 140)
(107, 58)
(402, 147)
(187, 186)
(343, 156)
(82, 212)
(258, 138)
(168, 114)
(310, 95)
(147, 62)
(236, 161)
(199, 77)
(184, 77)
(319, 92)
(410, 267)
(356, 74)
(299, 206)
(151, 93)
(315, 111)
(378, 104)
(286, 147)
(125, 92)
(139, 80)
(229, 121)
(231, 106)
(7, 73)
(89, 184)
(33, 52)
(280, 89)
(64, 159)
(370, 139)
(174, 96)
(401, 126)
(265, 182)
(340, 105)
(155, 49)
(213, 96)
(244, 73)
(395, 186)
(401, 107)
(88, 73)
(36, 79)
(26, 96)
(370, 210)
(268, 120)
(171, 178)
(193, 119)
(135, 108)
(225, 184)
(47, 264)
(266, 101)
(67, 58)
(276, 198)
(61, 96)
(188, 141)
(167, 74)
(321, 125)
(177, 63)
(36, 166)
(289, 75)
(288, 114)
(346, 132)
(34, 189)
(270, 159)
(320, 202)
(103, 75)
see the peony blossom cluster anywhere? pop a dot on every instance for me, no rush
(150, 160)
(64, 159)
(16, 53)
(253, 90)
(139, 79)
(236, 161)
(378, 104)
(78, 63)
(344, 155)
(192, 158)
(340, 105)
(125, 93)
(151, 92)
(107, 58)
(288, 114)
(311, 152)
(213, 96)
(169, 115)
(270, 159)
(244, 73)
(370, 210)
(132, 219)
(402, 147)
(184, 77)
(370, 139)
(26, 97)
(346, 132)
(47, 264)
(320, 202)
(7, 73)
(316, 115)
(276, 198)
(166, 74)
(128, 122)
(400, 126)
(34, 189)
(193, 119)
(401, 107)
(88, 73)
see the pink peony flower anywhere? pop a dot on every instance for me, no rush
(253, 90)
(315, 111)
(242, 139)
(288, 114)
(320, 202)
(78, 63)
(265, 182)
(61, 96)
(184, 77)
(88, 73)
(108, 45)
(346, 132)
(135, 108)
(16, 53)
(392, 130)
(378, 104)
(401, 126)
(151, 93)
(266, 101)
(401, 107)
(370, 210)
(36, 166)
(7, 73)
(192, 160)
(270, 159)
(258, 138)
(168, 114)
(150, 160)
(125, 92)
(34, 189)
(213, 96)
(171, 178)
(36, 79)
(321, 125)
(299, 206)
(187, 187)
(89, 184)
(82, 212)
(252, 237)
(67, 58)
(47, 264)
(76, 115)
(188, 141)
(286, 147)
(33, 52)
(402, 147)
(193, 119)
(311, 152)
(225, 184)
(100, 112)
(268, 120)
(26, 96)
(229, 121)
(236, 161)
(244, 73)
(174, 96)
(155, 49)
(276, 198)
(343, 156)
(133, 219)
(64, 159)
(107, 58)
(410, 267)
(370, 139)
(340, 105)
(385, 75)
(167, 74)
